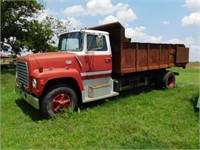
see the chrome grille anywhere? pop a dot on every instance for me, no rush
(22, 73)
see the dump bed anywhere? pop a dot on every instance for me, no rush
(131, 57)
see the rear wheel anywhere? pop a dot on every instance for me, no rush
(165, 80)
(169, 80)
(60, 99)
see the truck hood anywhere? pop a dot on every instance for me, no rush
(53, 59)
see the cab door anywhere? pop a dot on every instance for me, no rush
(98, 61)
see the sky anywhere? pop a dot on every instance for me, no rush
(155, 21)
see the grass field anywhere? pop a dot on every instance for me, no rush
(147, 120)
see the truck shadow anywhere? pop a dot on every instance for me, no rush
(127, 93)
(28, 110)
(35, 115)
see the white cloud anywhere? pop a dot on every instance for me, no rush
(165, 22)
(192, 19)
(126, 16)
(193, 5)
(108, 19)
(138, 35)
(74, 22)
(103, 7)
(121, 12)
(76, 10)
(92, 8)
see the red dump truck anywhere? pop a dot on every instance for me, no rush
(93, 64)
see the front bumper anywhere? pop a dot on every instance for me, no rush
(33, 101)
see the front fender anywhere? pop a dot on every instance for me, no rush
(54, 73)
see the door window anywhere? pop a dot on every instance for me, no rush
(96, 43)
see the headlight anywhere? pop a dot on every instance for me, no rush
(34, 83)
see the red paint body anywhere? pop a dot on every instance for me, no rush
(55, 67)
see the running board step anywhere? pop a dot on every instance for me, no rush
(89, 99)
(99, 90)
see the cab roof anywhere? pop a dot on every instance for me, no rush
(87, 31)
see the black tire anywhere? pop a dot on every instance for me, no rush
(158, 80)
(58, 100)
(168, 81)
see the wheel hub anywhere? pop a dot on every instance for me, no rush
(171, 82)
(61, 101)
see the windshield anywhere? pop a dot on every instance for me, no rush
(71, 42)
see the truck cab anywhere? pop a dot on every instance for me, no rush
(94, 58)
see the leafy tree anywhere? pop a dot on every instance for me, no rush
(21, 29)
(57, 26)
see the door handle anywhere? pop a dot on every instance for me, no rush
(107, 60)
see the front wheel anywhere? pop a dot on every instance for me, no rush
(58, 100)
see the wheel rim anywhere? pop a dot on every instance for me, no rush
(171, 82)
(61, 102)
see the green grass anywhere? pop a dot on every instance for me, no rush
(155, 119)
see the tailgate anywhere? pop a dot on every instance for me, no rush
(182, 56)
